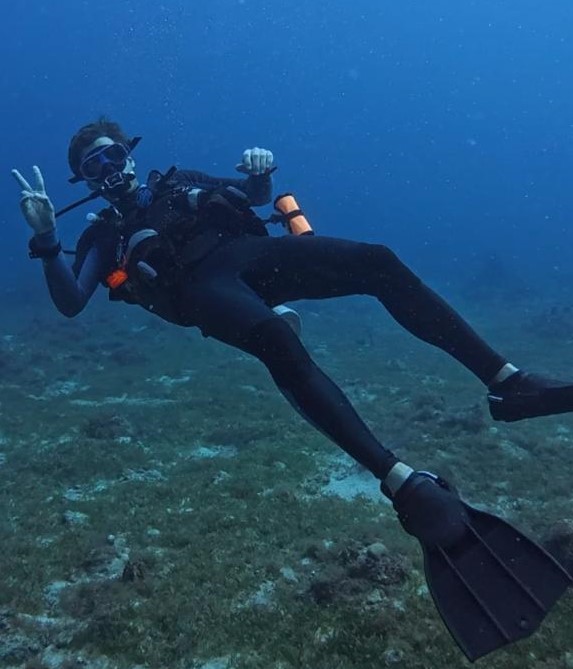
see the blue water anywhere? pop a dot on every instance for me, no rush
(443, 129)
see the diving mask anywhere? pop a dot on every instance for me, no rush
(104, 161)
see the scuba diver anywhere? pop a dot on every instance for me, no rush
(189, 248)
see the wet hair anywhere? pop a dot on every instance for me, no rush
(87, 134)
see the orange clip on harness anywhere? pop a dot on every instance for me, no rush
(292, 216)
(116, 278)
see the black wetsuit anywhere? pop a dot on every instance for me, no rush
(229, 295)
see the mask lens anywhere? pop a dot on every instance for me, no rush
(115, 153)
(90, 168)
(93, 166)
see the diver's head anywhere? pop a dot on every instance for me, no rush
(99, 154)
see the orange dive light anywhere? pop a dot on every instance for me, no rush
(292, 215)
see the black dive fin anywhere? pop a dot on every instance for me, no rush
(491, 584)
(525, 395)
(495, 586)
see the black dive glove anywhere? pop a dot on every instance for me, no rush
(430, 510)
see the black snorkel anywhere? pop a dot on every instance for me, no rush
(115, 182)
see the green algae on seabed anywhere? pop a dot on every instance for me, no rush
(166, 500)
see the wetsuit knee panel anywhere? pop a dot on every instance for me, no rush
(277, 346)
(394, 271)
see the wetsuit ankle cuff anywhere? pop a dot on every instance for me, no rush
(396, 478)
(504, 373)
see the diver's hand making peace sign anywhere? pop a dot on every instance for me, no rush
(35, 204)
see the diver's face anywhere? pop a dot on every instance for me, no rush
(103, 159)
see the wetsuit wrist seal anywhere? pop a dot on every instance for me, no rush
(36, 251)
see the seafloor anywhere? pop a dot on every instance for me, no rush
(162, 506)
